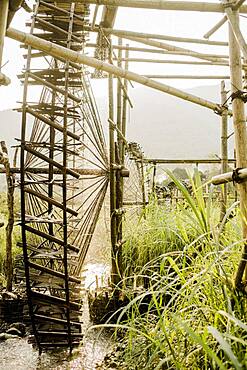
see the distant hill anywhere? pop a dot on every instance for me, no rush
(166, 127)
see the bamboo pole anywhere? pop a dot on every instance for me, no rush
(4, 7)
(224, 148)
(239, 121)
(114, 272)
(172, 61)
(162, 5)
(124, 114)
(236, 30)
(119, 179)
(61, 52)
(185, 161)
(188, 77)
(216, 27)
(224, 178)
(145, 35)
(157, 51)
(169, 47)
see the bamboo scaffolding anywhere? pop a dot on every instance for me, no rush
(169, 47)
(239, 121)
(61, 52)
(161, 5)
(216, 27)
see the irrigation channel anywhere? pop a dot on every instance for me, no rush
(69, 169)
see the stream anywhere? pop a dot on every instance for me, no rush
(18, 354)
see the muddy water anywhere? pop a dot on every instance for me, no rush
(18, 354)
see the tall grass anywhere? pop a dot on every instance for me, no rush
(188, 316)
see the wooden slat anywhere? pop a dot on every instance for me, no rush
(56, 320)
(49, 299)
(70, 172)
(50, 201)
(51, 238)
(58, 274)
(51, 123)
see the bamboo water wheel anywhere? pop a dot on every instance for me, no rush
(64, 174)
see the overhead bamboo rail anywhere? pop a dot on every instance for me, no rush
(191, 6)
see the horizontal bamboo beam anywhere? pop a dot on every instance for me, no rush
(122, 33)
(45, 170)
(165, 46)
(186, 161)
(216, 27)
(188, 77)
(4, 80)
(228, 177)
(59, 51)
(156, 51)
(172, 61)
(161, 5)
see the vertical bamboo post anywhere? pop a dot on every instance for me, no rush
(239, 121)
(4, 7)
(124, 109)
(114, 272)
(119, 161)
(224, 149)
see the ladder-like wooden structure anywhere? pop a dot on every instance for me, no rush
(64, 174)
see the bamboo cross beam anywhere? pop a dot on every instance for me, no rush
(64, 53)
(165, 46)
(157, 51)
(192, 6)
(186, 161)
(216, 27)
(172, 61)
(224, 178)
(121, 33)
(188, 77)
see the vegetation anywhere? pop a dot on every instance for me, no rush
(15, 237)
(187, 315)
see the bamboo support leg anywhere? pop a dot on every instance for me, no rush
(239, 121)
(224, 150)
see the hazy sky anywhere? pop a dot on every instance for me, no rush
(190, 24)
